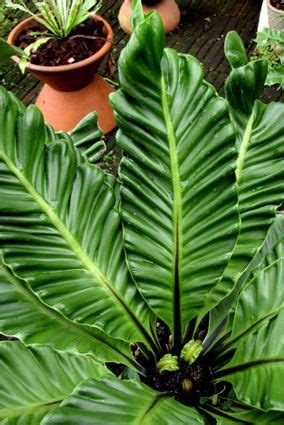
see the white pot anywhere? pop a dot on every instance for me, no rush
(274, 17)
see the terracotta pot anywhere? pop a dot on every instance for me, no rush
(72, 91)
(274, 17)
(167, 9)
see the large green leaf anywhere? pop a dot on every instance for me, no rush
(179, 202)
(60, 230)
(8, 50)
(245, 416)
(24, 315)
(112, 402)
(86, 136)
(260, 166)
(260, 300)
(271, 250)
(34, 380)
(257, 367)
(278, 252)
(235, 50)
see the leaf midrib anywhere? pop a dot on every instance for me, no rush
(250, 329)
(13, 412)
(54, 315)
(143, 417)
(245, 145)
(246, 366)
(259, 321)
(73, 243)
(177, 218)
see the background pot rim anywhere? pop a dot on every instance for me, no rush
(63, 68)
(273, 7)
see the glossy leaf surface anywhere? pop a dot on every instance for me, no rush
(25, 316)
(7, 51)
(257, 368)
(179, 203)
(113, 402)
(261, 300)
(271, 250)
(246, 416)
(235, 50)
(34, 380)
(260, 166)
(86, 136)
(60, 231)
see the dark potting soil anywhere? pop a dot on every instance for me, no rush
(150, 2)
(84, 41)
(279, 4)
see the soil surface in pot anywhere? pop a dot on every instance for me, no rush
(84, 41)
(278, 4)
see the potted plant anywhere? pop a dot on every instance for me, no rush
(157, 299)
(167, 9)
(63, 46)
(275, 13)
(270, 46)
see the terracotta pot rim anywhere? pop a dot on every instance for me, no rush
(274, 8)
(63, 68)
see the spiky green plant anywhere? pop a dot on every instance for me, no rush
(59, 17)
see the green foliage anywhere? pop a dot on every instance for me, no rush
(7, 51)
(259, 174)
(44, 378)
(168, 362)
(111, 401)
(270, 46)
(191, 351)
(234, 50)
(6, 20)
(189, 236)
(59, 17)
(165, 223)
(86, 136)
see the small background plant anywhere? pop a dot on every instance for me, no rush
(59, 17)
(270, 46)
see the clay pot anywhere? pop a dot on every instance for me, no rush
(167, 9)
(274, 17)
(72, 91)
